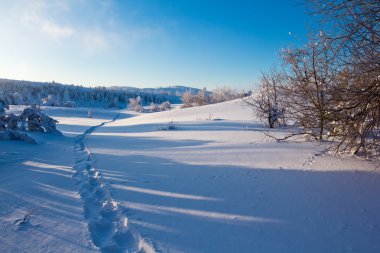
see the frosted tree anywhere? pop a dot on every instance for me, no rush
(266, 102)
(135, 104)
(202, 97)
(221, 94)
(165, 106)
(353, 31)
(187, 99)
(310, 76)
(154, 108)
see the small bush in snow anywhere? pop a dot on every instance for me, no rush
(26, 218)
(162, 107)
(135, 104)
(170, 126)
(165, 106)
(89, 114)
(154, 108)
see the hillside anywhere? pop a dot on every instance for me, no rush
(124, 181)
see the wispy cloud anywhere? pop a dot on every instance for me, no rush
(39, 16)
(56, 30)
(95, 41)
(88, 27)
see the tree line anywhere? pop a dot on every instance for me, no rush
(15, 92)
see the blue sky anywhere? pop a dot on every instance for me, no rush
(146, 43)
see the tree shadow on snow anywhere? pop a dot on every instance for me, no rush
(217, 208)
(41, 182)
(183, 126)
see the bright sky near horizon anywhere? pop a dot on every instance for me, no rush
(146, 43)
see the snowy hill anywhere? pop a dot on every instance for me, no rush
(201, 179)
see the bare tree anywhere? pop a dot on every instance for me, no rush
(202, 97)
(222, 94)
(187, 99)
(310, 76)
(354, 34)
(266, 101)
(135, 104)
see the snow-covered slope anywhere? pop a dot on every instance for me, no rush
(38, 178)
(215, 183)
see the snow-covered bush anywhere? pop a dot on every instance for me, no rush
(165, 106)
(50, 101)
(32, 119)
(202, 97)
(12, 121)
(15, 135)
(187, 99)
(170, 126)
(135, 104)
(222, 94)
(154, 108)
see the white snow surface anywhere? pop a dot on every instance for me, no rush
(215, 183)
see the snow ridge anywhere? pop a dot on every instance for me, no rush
(107, 225)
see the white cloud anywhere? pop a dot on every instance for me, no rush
(55, 30)
(95, 41)
(38, 17)
(89, 26)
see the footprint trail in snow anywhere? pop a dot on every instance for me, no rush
(108, 226)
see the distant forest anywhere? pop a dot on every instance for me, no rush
(57, 94)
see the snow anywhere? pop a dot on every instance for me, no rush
(215, 183)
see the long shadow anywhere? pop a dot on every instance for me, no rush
(207, 208)
(83, 112)
(40, 180)
(125, 143)
(183, 126)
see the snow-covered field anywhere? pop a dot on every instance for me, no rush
(212, 184)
